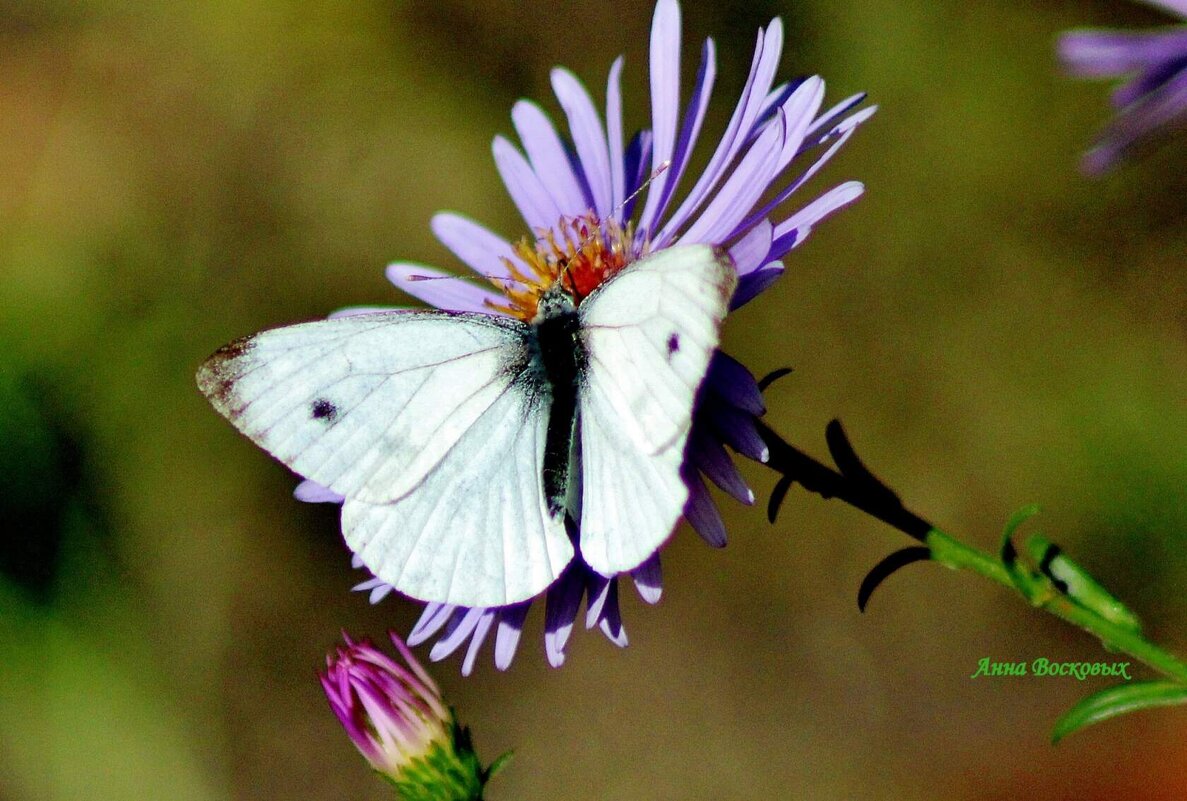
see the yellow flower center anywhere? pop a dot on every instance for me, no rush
(584, 253)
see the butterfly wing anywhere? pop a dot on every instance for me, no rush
(648, 333)
(431, 424)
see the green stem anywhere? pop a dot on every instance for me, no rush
(952, 553)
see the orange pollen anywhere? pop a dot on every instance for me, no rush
(585, 253)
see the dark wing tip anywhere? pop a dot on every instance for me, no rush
(216, 376)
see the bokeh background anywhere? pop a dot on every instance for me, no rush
(993, 328)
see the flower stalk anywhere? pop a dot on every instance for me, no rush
(1047, 579)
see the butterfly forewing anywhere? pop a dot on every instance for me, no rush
(399, 412)
(649, 334)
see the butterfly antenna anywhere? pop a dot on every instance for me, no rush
(494, 279)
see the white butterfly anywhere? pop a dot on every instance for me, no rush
(463, 442)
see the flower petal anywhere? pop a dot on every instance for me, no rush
(754, 284)
(743, 188)
(1167, 105)
(750, 252)
(1174, 6)
(530, 196)
(709, 456)
(665, 102)
(431, 620)
(614, 135)
(691, 127)
(733, 383)
(560, 612)
(588, 137)
(550, 159)
(737, 429)
(795, 229)
(312, 492)
(842, 131)
(649, 579)
(767, 50)
(510, 629)
(441, 289)
(1104, 53)
(701, 513)
(463, 627)
(485, 621)
(482, 250)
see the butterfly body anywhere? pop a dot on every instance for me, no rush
(463, 442)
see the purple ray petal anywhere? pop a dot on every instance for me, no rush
(665, 101)
(825, 120)
(842, 131)
(442, 289)
(795, 229)
(610, 621)
(597, 591)
(730, 380)
(800, 109)
(462, 630)
(709, 456)
(701, 513)
(485, 621)
(1103, 54)
(638, 156)
(1151, 80)
(750, 252)
(737, 429)
(560, 612)
(507, 637)
(614, 135)
(741, 190)
(482, 250)
(1163, 107)
(377, 589)
(649, 579)
(312, 492)
(1174, 6)
(690, 129)
(431, 620)
(754, 284)
(762, 72)
(530, 196)
(588, 137)
(549, 158)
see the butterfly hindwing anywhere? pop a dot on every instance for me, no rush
(410, 415)
(648, 334)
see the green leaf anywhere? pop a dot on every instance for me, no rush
(1118, 700)
(1018, 518)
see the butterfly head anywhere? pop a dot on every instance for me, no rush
(573, 260)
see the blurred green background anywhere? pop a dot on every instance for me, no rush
(993, 329)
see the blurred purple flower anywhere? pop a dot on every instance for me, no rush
(559, 188)
(1153, 97)
(396, 718)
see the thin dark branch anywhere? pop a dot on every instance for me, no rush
(887, 568)
(854, 483)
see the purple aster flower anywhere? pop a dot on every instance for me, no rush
(578, 197)
(1153, 97)
(396, 718)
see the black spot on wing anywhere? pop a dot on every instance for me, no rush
(323, 409)
(673, 344)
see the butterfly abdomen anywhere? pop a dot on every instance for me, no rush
(562, 357)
